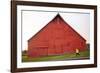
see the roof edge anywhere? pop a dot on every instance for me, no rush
(63, 21)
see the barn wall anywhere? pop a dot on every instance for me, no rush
(55, 39)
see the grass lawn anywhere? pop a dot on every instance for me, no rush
(83, 55)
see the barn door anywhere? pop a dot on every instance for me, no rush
(55, 47)
(58, 46)
(51, 48)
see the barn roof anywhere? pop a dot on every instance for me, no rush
(58, 16)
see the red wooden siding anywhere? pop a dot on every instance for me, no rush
(56, 38)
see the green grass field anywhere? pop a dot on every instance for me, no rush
(83, 55)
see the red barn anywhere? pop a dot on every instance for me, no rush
(56, 38)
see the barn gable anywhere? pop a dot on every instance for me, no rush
(57, 19)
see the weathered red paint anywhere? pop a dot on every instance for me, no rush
(56, 38)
